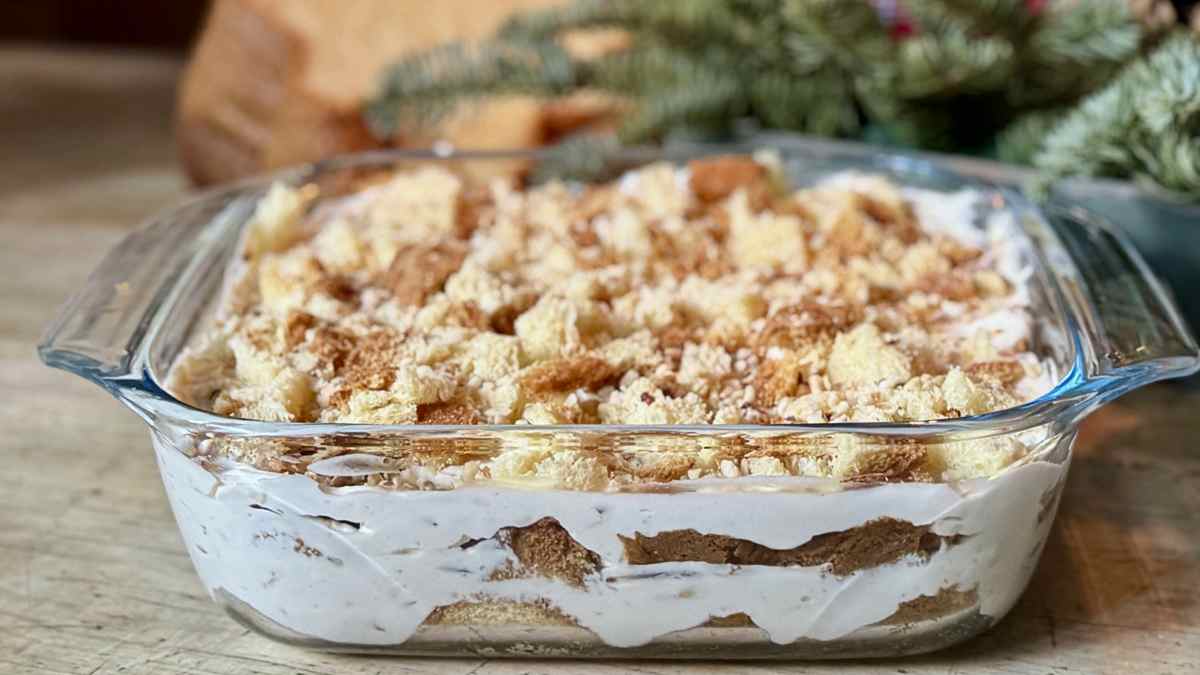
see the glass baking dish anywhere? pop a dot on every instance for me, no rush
(806, 568)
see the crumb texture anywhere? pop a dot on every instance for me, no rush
(874, 543)
(545, 550)
(709, 293)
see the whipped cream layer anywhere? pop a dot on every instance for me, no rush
(366, 566)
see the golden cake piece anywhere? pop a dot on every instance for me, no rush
(709, 294)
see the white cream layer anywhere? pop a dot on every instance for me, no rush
(274, 541)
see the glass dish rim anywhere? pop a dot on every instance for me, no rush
(1077, 392)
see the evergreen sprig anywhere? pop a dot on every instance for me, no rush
(1145, 123)
(1077, 48)
(970, 69)
(442, 77)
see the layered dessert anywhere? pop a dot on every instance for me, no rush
(631, 387)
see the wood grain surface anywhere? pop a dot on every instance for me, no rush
(93, 575)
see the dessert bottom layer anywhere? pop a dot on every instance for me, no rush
(740, 562)
(517, 633)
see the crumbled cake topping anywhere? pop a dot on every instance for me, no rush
(705, 294)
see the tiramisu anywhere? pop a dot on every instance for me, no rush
(712, 298)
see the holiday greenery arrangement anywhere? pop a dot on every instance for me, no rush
(1090, 87)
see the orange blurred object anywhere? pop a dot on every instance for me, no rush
(273, 83)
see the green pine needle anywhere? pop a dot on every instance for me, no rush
(1145, 124)
(424, 88)
(977, 74)
(1077, 47)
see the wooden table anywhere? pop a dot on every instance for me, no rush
(94, 578)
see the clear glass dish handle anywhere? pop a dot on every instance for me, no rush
(99, 332)
(1132, 332)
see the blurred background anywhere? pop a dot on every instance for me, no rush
(268, 83)
(127, 23)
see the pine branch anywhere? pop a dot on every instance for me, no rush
(830, 67)
(938, 89)
(847, 32)
(678, 20)
(1085, 32)
(1146, 123)
(820, 103)
(712, 104)
(973, 17)
(951, 63)
(655, 68)
(425, 88)
(1075, 47)
(581, 157)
